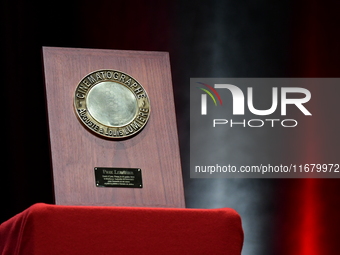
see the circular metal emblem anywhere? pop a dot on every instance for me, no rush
(112, 104)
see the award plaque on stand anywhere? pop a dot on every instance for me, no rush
(112, 127)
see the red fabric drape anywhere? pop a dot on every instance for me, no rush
(90, 230)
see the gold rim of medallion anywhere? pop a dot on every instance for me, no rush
(128, 129)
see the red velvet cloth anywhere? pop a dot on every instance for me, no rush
(80, 230)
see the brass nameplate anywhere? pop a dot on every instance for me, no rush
(118, 177)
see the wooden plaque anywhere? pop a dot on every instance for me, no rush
(76, 151)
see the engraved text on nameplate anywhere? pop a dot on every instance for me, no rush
(118, 177)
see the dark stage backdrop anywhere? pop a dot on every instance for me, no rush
(205, 39)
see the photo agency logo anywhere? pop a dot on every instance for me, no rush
(204, 97)
(281, 97)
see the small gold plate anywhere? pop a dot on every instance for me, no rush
(112, 104)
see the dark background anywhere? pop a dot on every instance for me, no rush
(205, 39)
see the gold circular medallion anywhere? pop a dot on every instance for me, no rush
(112, 104)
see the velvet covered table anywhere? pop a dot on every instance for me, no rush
(83, 230)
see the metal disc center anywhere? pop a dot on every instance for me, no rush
(112, 104)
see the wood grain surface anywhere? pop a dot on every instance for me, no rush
(76, 151)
